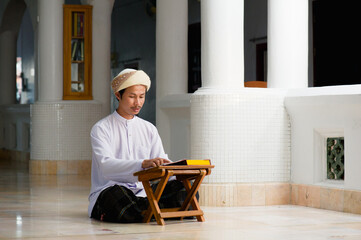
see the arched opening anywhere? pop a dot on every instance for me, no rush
(25, 61)
(17, 77)
(9, 29)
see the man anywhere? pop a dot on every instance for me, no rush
(122, 144)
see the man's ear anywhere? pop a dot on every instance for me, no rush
(117, 95)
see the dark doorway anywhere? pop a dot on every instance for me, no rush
(337, 51)
(194, 57)
(261, 62)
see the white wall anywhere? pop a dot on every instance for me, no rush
(60, 130)
(318, 113)
(245, 133)
(176, 108)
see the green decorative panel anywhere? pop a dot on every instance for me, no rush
(335, 158)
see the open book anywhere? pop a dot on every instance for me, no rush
(190, 162)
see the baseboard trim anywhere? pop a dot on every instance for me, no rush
(265, 194)
(60, 167)
(248, 194)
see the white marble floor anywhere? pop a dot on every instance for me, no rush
(50, 207)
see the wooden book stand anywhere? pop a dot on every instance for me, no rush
(184, 174)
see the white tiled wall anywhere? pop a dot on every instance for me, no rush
(245, 134)
(61, 131)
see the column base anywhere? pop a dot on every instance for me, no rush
(247, 194)
(246, 134)
(60, 167)
(266, 194)
(335, 199)
(60, 136)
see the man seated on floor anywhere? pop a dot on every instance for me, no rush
(122, 144)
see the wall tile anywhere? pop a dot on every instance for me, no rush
(277, 193)
(309, 196)
(294, 194)
(243, 195)
(34, 167)
(51, 167)
(61, 130)
(241, 144)
(258, 194)
(332, 199)
(261, 194)
(60, 167)
(302, 195)
(352, 201)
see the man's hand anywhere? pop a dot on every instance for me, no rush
(154, 162)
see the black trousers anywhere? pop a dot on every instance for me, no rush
(119, 204)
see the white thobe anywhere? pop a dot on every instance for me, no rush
(119, 148)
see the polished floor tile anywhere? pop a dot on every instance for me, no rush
(55, 207)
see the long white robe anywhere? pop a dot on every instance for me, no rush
(119, 147)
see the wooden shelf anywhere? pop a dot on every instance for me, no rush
(77, 83)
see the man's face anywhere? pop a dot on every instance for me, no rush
(132, 101)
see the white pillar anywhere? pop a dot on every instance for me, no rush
(222, 44)
(171, 47)
(63, 154)
(171, 62)
(216, 108)
(50, 50)
(287, 44)
(7, 67)
(102, 12)
(235, 127)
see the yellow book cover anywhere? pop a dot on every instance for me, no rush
(190, 162)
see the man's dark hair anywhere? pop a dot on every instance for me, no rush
(121, 92)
